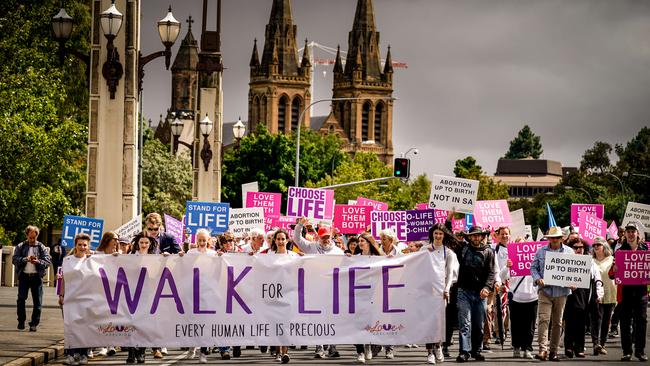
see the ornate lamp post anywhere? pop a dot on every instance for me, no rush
(206, 153)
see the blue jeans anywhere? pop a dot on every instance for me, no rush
(27, 283)
(471, 313)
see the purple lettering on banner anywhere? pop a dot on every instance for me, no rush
(352, 287)
(313, 203)
(632, 267)
(593, 208)
(270, 202)
(522, 255)
(122, 283)
(351, 219)
(197, 294)
(418, 224)
(174, 228)
(301, 294)
(232, 293)
(335, 290)
(167, 276)
(386, 286)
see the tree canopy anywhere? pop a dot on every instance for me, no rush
(525, 144)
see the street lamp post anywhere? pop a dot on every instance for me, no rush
(569, 188)
(238, 131)
(302, 115)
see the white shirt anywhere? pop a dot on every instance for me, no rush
(501, 257)
(446, 255)
(31, 267)
(526, 291)
(313, 247)
(289, 253)
(208, 251)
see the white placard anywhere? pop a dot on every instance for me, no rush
(561, 269)
(132, 228)
(638, 212)
(248, 187)
(243, 220)
(450, 193)
(202, 300)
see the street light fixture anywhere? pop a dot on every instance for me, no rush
(238, 130)
(112, 70)
(570, 188)
(302, 115)
(205, 127)
(168, 29)
(62, 25)
(413, 149)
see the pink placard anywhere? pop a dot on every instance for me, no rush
(591, 227)
(613, 230)
(376, 205)
(282, 222)
(593, 208)
(440, 216)
(270, 202)
(351, 219)
(522, 255)
(396, 220)
(421, 206)
(313, 203)
(457, 224)
(492, 213)
(632, 267)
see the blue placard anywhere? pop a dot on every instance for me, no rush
(213, 216)
(73, 225)
(469, 221)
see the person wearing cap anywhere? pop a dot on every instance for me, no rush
(476, 278)
(552, 299)
(601, 311)
(634, 303)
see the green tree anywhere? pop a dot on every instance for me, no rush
(270, 159)
(525, 144)
(634, 166)
(488, 188)
(166, 178)
(44, 118)
(468, 168)
(597, 158)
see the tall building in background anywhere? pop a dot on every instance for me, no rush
(279, 83)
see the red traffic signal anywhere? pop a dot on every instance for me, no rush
(401, 168)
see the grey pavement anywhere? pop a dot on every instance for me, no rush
(33, 348)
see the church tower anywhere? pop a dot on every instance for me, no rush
(279, 83)
(367, 123)
(184, 75)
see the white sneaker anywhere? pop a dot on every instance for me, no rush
(278, 357)
(431, 359)
(90, 353)
(415, 346)
(319, 353)
(102, 351)
(191, 353)
(69, 360)
(203, 358)
(83, 360)
(437, 351)
(361, 358)
(528, 355)
(516, 353)
(164, 351)
(408, 345)
(367, 349)
(390, 355)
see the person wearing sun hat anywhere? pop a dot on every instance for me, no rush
(476, 278)
(552, 299)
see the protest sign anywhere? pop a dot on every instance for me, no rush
(73, 225)
(469, 221)
(612, 230)
(352, 202)
(566, 270)
(130, 229)
(396, 220)
(312, 203)
(522, 254)
(174, 227)
(351, 219)
(540, 235)
(440, 216)
(283, 222)
(418, 223)
(243, 220)
(421, 206)
(638, 212)
(528, 232)
(632, 267)
(591, 227)
(150, 300)
(449, 193)
(492, 213)
(457, 224)
(270, 202)
(592, 208)
(518, 226)
(245, 188)
(376, 205)
(213, 216)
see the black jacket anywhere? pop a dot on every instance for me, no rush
(22, 252)
(477, 267)
(167, 243)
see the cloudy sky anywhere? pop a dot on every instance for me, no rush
(478, 70)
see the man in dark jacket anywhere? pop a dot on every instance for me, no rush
(31, 259)
(634, 305)
(154, 229)
(475, 282)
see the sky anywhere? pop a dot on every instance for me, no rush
(478, 70)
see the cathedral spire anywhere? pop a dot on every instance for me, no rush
(255, 59)
(388, 66)
(338, 65)
(280, 38)
(305, 56)
(364, 17)
(363, 43)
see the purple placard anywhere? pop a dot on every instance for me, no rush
(593, 208)
(591, 227)
(313, 203)
(492, 213)
(396, 220)
(270, 202)
(418, 223)
(351, 219)
(522, 255)
(174, 227)
(377, 205)
(632, 267)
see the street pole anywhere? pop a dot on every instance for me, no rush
(302, 115)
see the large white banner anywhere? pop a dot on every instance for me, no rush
(237, 299)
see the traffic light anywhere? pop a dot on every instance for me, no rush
(401, 168)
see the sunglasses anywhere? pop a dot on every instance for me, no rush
(153, 229)
(578, 247)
